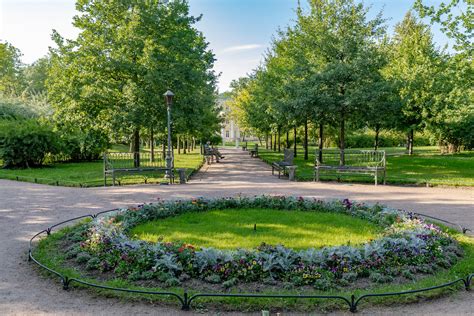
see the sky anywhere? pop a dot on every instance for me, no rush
(238, 31)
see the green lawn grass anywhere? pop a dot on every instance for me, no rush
(90, 174)
(427, 165)
(231, 229)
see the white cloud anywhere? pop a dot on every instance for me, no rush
(239, 48)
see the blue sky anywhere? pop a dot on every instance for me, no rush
(239, 31)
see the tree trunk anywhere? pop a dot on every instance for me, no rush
(152, 145)
(136, 147)
(342, 141)
(266, 140)
(274, 142)
(185, 145)
(410, 142)
(163, 149)
(377, 132)
(306, 140)
(321, 142)
(287, 139)
(294, 141)
(178, 144)
(279, 139)
(342, 135)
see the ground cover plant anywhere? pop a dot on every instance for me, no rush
(426, 166)
(409, 254)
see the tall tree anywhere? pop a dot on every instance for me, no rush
(126, 55)
(414, 65)
(344, 40)
(11, 79)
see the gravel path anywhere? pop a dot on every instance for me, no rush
(26, 208)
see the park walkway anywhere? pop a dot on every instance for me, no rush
(26, 208)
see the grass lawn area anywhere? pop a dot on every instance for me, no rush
(231, 229)
(91, 174)
(427, 165)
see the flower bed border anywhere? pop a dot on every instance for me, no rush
(185, 299)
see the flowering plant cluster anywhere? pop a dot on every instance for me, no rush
(408, 246)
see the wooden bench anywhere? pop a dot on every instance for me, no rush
(369, 162)
(115, 163)
(254, 152)
(283, 166)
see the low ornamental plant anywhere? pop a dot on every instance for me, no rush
(408, 247)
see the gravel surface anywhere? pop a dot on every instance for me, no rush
(26, 208)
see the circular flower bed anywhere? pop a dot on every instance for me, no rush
(408, 247)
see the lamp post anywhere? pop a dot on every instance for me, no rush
(169, 157)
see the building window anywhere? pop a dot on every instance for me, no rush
(227, 134)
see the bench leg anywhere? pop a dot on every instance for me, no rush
(384, 177)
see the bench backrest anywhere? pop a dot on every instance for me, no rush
(352, 157)
(288, 156)
(132, 160)
(207, 150)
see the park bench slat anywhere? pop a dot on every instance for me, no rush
(371, 162)
(133, 162)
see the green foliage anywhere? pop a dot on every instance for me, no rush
(36, 75)
(11, 80)
(13, 109)
(455, 18)
(84, 146)
(336, 68)
(26, 143)
(127, 54)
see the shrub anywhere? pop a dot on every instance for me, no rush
(26, 143)
(84, 145)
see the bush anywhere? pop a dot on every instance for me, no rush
(26, 143)
(84, 146)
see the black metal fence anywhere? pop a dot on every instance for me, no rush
(185, 299)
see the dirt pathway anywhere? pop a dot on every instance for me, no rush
(26, 208)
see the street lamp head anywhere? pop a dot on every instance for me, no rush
(168, 97)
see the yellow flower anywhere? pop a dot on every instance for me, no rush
(254, 262)
(345, 270)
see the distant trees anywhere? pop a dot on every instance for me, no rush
(336, 68)
(11, 81)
